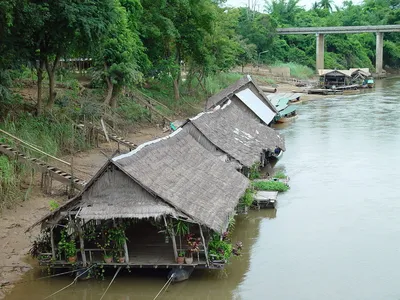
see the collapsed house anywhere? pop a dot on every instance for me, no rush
(148, 200)
(246, 95)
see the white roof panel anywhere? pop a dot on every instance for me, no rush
(256, 105)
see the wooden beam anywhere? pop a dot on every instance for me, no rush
(104, 130)
(53, 247)
(81, 242)
(126, 252)
(172, 235)
(34, 148)
(204, 244)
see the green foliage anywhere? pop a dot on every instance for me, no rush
(270, 186)
(53, 205)
(219, 249)
(297, 70)
(279, 175)
(66, 245)
(248, 198)
(181, 227)
(9, 183)
(254, 171)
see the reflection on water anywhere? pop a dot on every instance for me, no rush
(335, 234)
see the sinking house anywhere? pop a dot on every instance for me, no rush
(291, 97)
(332, 79)
(245, 94)
(147, 208)
(230, 134)
(361, 76)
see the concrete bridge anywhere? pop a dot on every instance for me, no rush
(321, 31)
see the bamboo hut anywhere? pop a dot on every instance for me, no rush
(331, 79)
(141, 207)
(248, 97)
(229, 134)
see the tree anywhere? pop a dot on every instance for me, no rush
(325, 4)
(46, 31)
(120, 50)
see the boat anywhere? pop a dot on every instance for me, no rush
(369, 82)
(287, 115)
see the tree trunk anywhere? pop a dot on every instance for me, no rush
(39, 87)
(51, 72)
(176, 89)
(114, 98)
(110, 89)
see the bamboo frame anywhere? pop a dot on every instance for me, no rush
(81, 243)
(172, 235)
(204, 244)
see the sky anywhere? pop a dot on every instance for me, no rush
(305, 3)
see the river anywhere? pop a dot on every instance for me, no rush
(335, 234)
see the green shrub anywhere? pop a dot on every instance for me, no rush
(270, 186)
(254, 172)
(9, 183)
(248, 198)
(219, 249)
(297, 70)
(280, 175)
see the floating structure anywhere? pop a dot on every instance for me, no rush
(332, 79)
(228, 133)
(141, 199)
(286, 113)
(294, 98)
(245, 94)
(265, 199)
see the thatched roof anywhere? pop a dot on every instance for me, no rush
(363, 71)
(240, 85)
(187, 177)
(173, 175)
(331, 72)
(116, 195)
(241, 137)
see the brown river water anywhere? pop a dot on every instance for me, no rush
(335, 234)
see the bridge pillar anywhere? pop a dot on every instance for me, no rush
(320, 51)
(379, 53)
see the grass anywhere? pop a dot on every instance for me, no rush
(254, 171)
(279, 175)
(270, 186)
(297, 71)
(248, 198)
(9, 183)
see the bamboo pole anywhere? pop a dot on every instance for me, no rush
(34, 148)
(105, 130)
(204, 244)
(172, 234)
(53, 247)
(81, 243)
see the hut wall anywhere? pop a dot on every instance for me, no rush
(248, 112)
(115, 187)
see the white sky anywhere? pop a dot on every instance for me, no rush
(261, 3)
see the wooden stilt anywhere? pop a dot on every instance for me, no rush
(126, 252)
(172, 235)
(81, 242)
(204, 244)
(53, 247)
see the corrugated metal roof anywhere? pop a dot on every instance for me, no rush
(287, 110)
(256, 105)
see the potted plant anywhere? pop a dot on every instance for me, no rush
(181, 257)
(108, 258)
(193, 247)
(117, 239)
(68, 247)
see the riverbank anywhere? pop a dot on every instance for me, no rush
(14, 222)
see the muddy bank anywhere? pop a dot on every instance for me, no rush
(15, 243)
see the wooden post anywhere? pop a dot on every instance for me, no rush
(172, 235)
(81, 242)
(126, 252)
(204, 244)
(53, 247)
